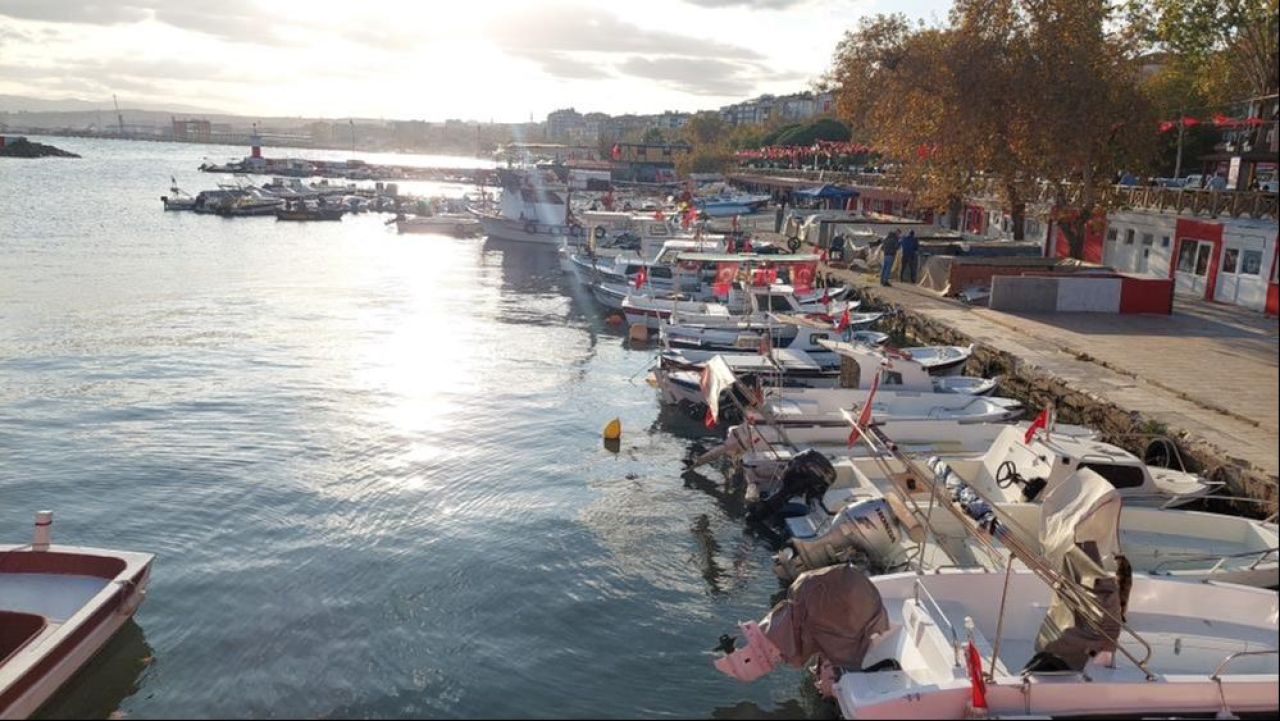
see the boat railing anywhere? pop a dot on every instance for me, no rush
(1260, 554)
(1231, 657)
(1009, 532)
(936, 610)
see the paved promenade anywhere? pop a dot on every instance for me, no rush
(1209, 370)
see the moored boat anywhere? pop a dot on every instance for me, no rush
(59, 605)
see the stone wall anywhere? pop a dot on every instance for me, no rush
(1036, 388)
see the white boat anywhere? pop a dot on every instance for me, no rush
(531, 209)
(900, 371)
(939, 359)
(681, 381)
(442, 224)
(826, 407)
(746, 305)
(726, 205)
(864, 512)
(963, 644)
(59, 605)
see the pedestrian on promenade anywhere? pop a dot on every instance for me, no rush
(889, 247)
(910, 246)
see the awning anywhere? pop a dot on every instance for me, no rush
(826, 191)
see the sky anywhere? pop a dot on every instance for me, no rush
(500, 60)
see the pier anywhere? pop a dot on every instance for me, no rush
(1216, 395)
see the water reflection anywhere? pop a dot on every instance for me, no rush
(106, 681)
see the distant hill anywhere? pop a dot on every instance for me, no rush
(23, 104)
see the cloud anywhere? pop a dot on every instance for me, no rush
(699, 76)
(564, 28)
(235, 20)
(91, 13)
(564, 66)
(750, 4)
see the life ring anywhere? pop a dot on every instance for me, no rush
(599, 232)
(531, 228)
(793, 244)
(575, 231)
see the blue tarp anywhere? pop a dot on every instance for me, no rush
(826, 191)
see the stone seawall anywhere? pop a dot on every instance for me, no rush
(1036, 387)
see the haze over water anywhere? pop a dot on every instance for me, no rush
(369, 464)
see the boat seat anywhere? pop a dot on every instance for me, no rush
(17, 629)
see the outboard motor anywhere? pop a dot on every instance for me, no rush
(866, 529)
(834, 613)
(808, 474)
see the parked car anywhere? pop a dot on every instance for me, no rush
(1193, 182)
(1269, 186)
(1169, 182)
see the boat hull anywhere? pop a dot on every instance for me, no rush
(522, 231)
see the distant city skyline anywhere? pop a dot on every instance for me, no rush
(504, 60)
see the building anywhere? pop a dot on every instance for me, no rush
(194, 131)
(561, 123)
(1224, 260)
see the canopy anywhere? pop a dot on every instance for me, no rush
(746, 258)
(826, 191)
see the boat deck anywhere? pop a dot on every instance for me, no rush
(54, 596)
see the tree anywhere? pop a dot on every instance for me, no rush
(653, 136)
(1230, 45)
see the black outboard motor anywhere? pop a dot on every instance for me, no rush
(808, 474)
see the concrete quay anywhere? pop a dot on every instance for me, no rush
(1207, 375)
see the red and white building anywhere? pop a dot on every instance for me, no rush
(1224, 260)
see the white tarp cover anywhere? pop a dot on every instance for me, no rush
(1083, 507)
(716, 378)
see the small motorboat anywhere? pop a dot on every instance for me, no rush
(455, 224)
(972, 644)
(901, 371)
(829, 407)
(304, 213)
(939, 359)
(59, 605)
(178, 199)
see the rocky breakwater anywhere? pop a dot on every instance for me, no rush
(23, 148)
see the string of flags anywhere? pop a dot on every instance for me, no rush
(1218, 120)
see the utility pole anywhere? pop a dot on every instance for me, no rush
(352, 121)
(1177, 168)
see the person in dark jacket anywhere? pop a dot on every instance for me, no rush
(890, 249)
(910, 246)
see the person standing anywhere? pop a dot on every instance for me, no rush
(910, 246)
(890, 249)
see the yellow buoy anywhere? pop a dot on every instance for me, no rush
(613, 430)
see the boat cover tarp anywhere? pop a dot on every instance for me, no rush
(832, 612)
(716, 378)
(935, 274)
(1079, 528)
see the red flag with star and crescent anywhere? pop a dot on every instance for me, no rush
(864, 416)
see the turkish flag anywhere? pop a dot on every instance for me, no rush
(1041, 421)
(764, 276)
(844, 320)
(802, 276)
(616, 152)
(725, 272)
(864, 417)
(641, 278)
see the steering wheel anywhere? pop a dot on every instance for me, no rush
(1007, 475)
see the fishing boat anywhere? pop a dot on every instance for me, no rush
(785, 331)
(744, 303)
(59, 605)
(532, 209)
(177, 199)
(939, 359)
